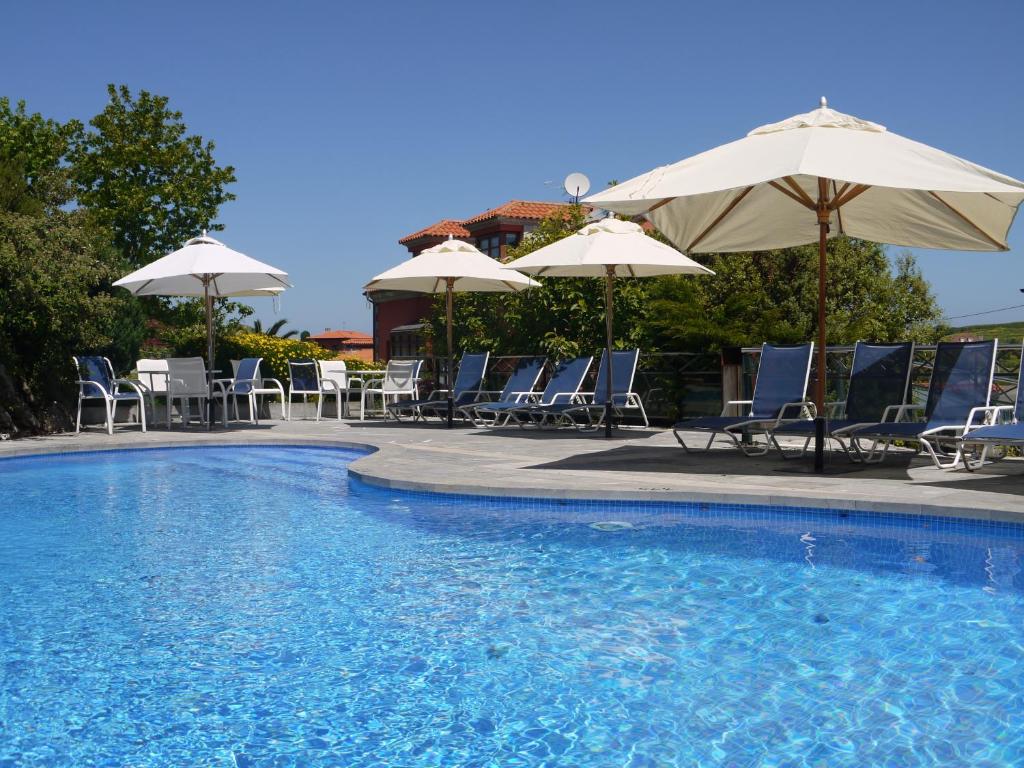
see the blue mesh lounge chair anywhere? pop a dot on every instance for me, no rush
(248, 383)
(469, 383)
(1005, 426)
(879, 377)
(563, 387)
(779, 394)
(518, 389)
(96, 381)
(958, 396)
(592, 411)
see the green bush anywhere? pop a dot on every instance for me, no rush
(275, 351)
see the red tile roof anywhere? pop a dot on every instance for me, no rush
(354, 336)
(518, 209)
(442, 228)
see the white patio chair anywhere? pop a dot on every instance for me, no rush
(248, 383)
(336, 373)
(153, 374)
(304, 379)
(400, 379)
(186, 382)
(96, 381)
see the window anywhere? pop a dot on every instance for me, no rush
(491, 245)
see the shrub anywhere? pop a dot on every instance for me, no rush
(356, 364)
(275, 351)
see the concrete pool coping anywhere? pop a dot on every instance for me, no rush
(636, 465)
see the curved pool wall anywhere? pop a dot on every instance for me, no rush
(253, 607)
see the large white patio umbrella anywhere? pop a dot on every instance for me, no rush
(450, 267)
(608, 248)
(208, 268)
(818, 175)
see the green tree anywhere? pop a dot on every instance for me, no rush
(38, 148)
(55, 272)
(145, 177)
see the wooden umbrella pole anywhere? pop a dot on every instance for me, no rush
(819, 389)
(450, 285)
(609, 298)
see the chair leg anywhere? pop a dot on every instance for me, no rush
(142, 412)
(78, 418)
(110, 416)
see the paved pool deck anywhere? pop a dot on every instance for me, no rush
(634, 465)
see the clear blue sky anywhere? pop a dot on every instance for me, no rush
(351, 125)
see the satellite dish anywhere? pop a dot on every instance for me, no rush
(576, 185)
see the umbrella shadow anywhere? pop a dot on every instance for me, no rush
(672, 460)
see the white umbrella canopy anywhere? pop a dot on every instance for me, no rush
(205, 266)
(470, 269)
(818, 175)
(611, 243)
(208, 268)
(608, 248)
(755, 193)
(450, 267)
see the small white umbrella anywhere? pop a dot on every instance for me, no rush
(451, 266)
(208, 268)
(608, 248)
(818, 175)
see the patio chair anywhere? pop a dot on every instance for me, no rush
(879, 377)
(248, 383)
(336, 373)
(96, 381)
(469, 383)
(518, 388)
(1005, 427)
(304, 379)
(563, 387)
(958, 397)
(187, 381)
(400, 379)
(624, 364)
(153, 373)
(780, 394)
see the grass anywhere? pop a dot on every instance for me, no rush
(1002, 331)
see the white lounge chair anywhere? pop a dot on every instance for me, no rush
(334, 376)
(187, 381)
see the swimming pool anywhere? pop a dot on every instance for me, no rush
(251, 606)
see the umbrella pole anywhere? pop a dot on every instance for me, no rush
(819, 388)
(451, 370)
(609, 299)
(208, 301)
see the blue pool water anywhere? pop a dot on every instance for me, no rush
(252, 607)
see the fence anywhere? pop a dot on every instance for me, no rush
(675, 385)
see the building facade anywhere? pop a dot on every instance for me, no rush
(398, 316)
(346, 343)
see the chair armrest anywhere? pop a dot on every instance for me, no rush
(900, 411)
(801, 405)
(735, 402)
(988, 414)
(138, 386)
(83, 383)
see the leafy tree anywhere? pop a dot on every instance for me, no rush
(145, 178)
(38, 148)
(55, 270)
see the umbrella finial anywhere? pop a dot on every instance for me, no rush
(204, 233)
(824, 103)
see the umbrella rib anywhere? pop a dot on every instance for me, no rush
(799, 191)
(718, 219)
(660, 203)
(980, 231)
(789, 194)
(839, 201)
(142, 287)
(835, 196)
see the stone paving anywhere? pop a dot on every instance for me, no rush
(635, 464)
